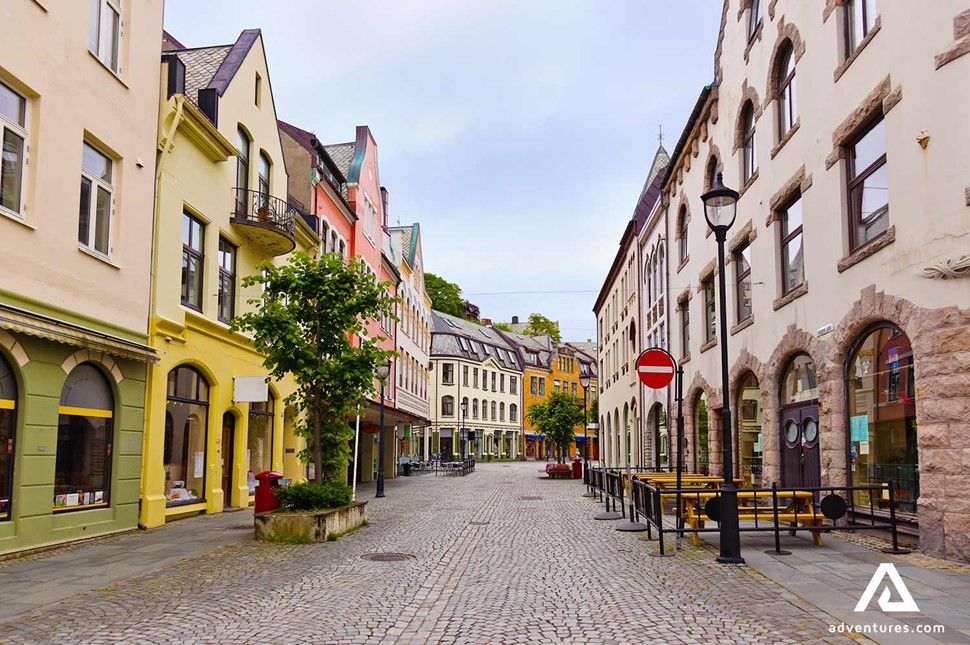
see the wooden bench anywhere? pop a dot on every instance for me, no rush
(799, 511)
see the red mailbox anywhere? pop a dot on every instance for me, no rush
(266, 482)
(577, 468)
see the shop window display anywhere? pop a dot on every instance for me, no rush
(82, 476)
(882, 419)
(701, 458)
(749, 432)
(186, 429)
(8, 409)
(259, 452)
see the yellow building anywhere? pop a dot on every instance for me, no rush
(221, 209)
(568, 365)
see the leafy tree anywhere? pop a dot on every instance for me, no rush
(303, 322)
(539, 325)
(593, 411)
(556, 417)
(445, 296)
(504, 327)
(471, 311)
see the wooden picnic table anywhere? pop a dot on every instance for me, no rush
(799, 509)
(688, 480)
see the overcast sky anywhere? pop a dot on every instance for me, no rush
(518, 133)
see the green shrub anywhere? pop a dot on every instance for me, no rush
(310, 496)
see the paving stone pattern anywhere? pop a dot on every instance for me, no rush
(489, 567)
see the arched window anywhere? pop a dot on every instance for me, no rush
(787, 109)
(711, 176)
(661, 278)
(264, 166)
(242, 173)
(648, 271)
(749, 432)
(493, 410)
(882, 417)
(799, 383)
(261, 423)
(186, 432)
(501, 412)
(85, 432)
(513, 413)
(447, 406)
(682, 228)
(8, 425)
(749, 161)
(701, 457)
(474, 408)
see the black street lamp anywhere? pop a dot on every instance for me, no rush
(720, 210)
(462, 431)
(584, 381)
(383, 372)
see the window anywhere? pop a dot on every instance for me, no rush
(448, 373)
(711, 177)
(193, 261)
(555, 386)
(447, 406)
(493, 410)
(513, 413)
(475, 377)
(868, 185)
(242, 172)
(462, 344)
(710, 310)
(227, 280)
(13, 132)
(186, 430)
(494, 381)
(85, 431)
(792, 254)
(682, 227)
(464, 375)
(754, 18)
(742, 269)
(94, 220)
(264, 166)
(787, 109)
(501, 412)
(8, 409)
(513, 385)
(104, 32)
(749, 160)
(501, 382)
(333, 241)
(259, 453)
(573, 386)
(860, 15)
(542, 386)
(257, 99)
(474, 408)
(533, 385)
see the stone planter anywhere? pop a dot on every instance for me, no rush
(315, 526)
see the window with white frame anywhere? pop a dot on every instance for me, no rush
(104, 32)
(97, 195)
(13, 134)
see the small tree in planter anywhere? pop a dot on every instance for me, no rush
(303, 325)
(555, 417)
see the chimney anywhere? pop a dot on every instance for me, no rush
(176, 75)
(209, 104)
(515, 320)
(384, 205)
(486, 322)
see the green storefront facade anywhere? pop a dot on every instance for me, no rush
(72, 395)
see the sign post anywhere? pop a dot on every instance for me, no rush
(656, 369)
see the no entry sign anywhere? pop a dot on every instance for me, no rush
(655, 368)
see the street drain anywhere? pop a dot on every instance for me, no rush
(387, 557)
(478, 524)
(530, 499)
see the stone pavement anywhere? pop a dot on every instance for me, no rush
(499, 556)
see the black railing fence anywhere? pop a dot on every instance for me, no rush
(266, 210)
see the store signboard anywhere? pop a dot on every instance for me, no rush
(250, 389)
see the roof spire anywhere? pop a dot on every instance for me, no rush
(660, 134)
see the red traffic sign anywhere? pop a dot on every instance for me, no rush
(655, 368)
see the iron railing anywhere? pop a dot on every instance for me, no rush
(261, 209)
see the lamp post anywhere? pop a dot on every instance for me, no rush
(383, 371)
(720, 210)
(462, 431)
(584, 381)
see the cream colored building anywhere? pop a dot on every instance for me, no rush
(847, 275)
(78, 99)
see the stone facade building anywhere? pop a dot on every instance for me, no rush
(848, 290)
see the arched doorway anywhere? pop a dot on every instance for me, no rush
(186, 436)
(748, 436)
(800, 456)
(701, 456)
(882, 417)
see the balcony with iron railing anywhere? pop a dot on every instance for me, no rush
(265, 220)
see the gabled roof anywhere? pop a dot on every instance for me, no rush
(409, 241)
(302, 137)
(201, 65)
(342, 155)
(446, 330)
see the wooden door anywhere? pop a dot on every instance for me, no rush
(801, 463)
(228, 437)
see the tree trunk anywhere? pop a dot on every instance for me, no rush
(317, 440)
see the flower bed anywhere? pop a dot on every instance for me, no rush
(309, 526)
(559, 471)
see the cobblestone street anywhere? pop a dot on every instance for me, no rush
(500, 556)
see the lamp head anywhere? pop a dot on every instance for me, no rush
(584, 380)
(720, 205)
(383, 371)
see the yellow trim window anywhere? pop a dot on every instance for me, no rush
(8, 405)
(85, 435)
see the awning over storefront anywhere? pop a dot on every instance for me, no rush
(25, 322)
